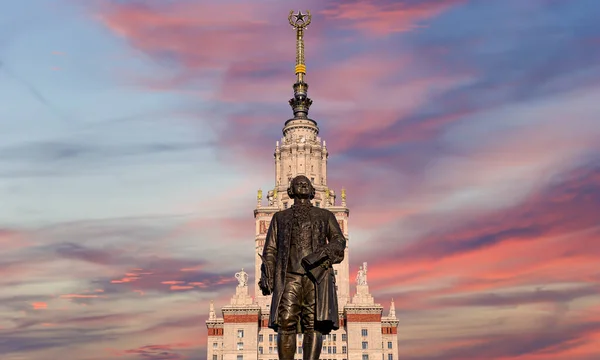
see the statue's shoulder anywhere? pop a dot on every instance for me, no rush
(321, 212)
(282, 213)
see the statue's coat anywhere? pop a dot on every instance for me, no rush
(327, 237)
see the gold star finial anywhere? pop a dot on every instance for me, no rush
(299, 19)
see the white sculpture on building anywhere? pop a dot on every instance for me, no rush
(242, 278)
(361, 276)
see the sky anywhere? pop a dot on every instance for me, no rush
(134, 136)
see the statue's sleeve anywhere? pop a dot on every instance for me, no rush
(337, 241)
(269, 254)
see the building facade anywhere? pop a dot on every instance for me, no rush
(242, 333)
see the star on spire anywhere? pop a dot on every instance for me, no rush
(299, 16)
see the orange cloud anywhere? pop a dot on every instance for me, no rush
(39, 305)
(195, 268)
(172, 282)
(177, 287)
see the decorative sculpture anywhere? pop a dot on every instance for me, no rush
(361, 276)
(242, 278)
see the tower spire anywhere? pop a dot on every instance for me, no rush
(300, 103)
(392, 309)
(211, 312)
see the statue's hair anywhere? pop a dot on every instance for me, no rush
(290, 189)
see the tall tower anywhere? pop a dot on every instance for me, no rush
(301, 152)
(242, 332)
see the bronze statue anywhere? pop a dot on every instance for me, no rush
(302, 244)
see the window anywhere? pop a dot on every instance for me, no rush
(240, 357)
(389, 344)
(390, 357)
(260, 337)
(312, 179)
(260, 350)
(334, 337)
(275, 337)
(364, 332)
(365, 345)
(335, 272)
(270, 337)
(335, 349)
(215, 357)
(329, 350)
(318, 204)
(215, 345)
(344, 350)
(270, 349)
(365, 357)
(240, 333)
(240, 345)
(300, 350)
(285, 206)
(344, 337)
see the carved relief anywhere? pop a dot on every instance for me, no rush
(264, 225)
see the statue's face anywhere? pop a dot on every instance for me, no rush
(301, 187)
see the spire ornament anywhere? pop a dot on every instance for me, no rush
(300, 103)
(299, 22)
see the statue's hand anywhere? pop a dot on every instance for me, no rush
(263, 284)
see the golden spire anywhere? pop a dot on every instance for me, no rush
(259, 195)
(301, 102)
(299, 22)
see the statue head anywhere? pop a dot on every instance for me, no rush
(301, 188)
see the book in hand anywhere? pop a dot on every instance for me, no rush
(316, 265)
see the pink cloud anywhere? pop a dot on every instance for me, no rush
(205, 37)
(13, 239)
(384, 19)
(80, 296)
